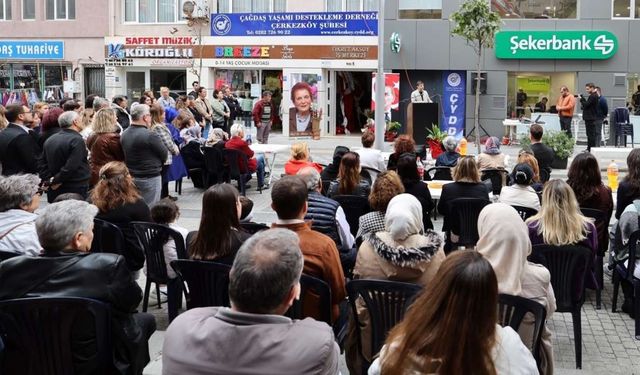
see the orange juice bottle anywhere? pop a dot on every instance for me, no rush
(463, 146)
(612, 175)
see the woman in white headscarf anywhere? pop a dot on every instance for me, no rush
(404, 252)
(504, 241)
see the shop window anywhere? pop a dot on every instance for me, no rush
(25, 76)
(351, 5)
(5, 10)
(252, 6)
(626, 9)
(152, 11)
(28, 9)
(541, 9)
(420, 9)
(60, 9)
(5, 76)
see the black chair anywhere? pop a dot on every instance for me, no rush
(601, 222)
(525, 212)
(545, 175)
(238, 167)
(4, 255)
(497, 176)
(107, 238)
(622, 132)
(386, 302)
(214, 166)
(370, 174)
(325, 187)
(621, 272)
(317, 288)
(253, 228)
(354, 206)
(438, 173)
(38, 338)
(153, 237)
(205, 283)
(511, 312)
(568, 266)
(193, 158)
(464, 213)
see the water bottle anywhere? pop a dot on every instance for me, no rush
(463, 146)
(248, 138)
(420, 168)
(612, 175)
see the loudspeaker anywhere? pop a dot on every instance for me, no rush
(483, 83)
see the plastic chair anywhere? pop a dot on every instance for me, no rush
(511, 312)
(621, 272)
(601, 222)
(214, 166)
(318, 288)
(153, 237)
(254, 228)
(464, 213)
(438, 173)
(205, 283)
(39, 339)
(497, 176)
(4, 255)
(354, 206)
(568, 266)
(238, 167)
(386, 302)
(525, 212)
(370, 174)
(107, 238)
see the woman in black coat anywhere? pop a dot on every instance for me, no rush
(408, 172)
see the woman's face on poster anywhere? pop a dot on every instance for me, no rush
(302, 100)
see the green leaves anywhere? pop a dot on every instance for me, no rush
(476, 23)
(559, 141)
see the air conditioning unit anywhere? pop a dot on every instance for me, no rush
(195, 9)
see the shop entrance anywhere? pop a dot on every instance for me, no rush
(352, 100)
(175, 80)
(527, 92)
(272, 81)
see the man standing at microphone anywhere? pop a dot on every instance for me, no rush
(420, 95)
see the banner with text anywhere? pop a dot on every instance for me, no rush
(453, 102)
(32, 49)
(286, 24)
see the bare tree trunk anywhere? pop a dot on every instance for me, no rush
(476, 112)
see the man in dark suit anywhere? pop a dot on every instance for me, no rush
(543, 153)
(590, 115)
(19, 148)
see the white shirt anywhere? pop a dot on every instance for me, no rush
(372, 158)
(416, 97)
(519, 195)
(344, 231)
(510, 355)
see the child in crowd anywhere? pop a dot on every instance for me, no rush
(247, 210)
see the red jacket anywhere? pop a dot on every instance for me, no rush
(293, 166)
(257, 111)
(237, 143)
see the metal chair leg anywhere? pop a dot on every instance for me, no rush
(577, 334)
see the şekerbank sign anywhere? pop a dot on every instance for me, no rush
(559, 45)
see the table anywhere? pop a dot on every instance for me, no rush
(436, 192)
(269, 149)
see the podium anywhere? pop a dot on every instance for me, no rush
(420, 118)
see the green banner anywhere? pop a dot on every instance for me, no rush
(535, 84)
(556, 45)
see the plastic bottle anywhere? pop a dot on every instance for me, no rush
(463, 146)
(612, 175)
(248, 139)
(420, 167)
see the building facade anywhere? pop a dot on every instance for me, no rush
(428, 49)
(50, 49)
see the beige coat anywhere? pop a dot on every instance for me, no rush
(204, 108)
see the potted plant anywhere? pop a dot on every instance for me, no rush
(559, 141)
(435, 136)
(391, 131)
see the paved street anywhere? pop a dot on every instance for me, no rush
(608, 343)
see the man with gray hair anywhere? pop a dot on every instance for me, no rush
(64, 164)
(325, 214)
(449, 158)
(67, 269)
(100, 103)
(252, 336)
(254, 164)
(19, 198)
(144, 154)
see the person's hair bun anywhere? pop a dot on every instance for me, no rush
(521, 178)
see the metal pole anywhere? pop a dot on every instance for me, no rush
(379, 114)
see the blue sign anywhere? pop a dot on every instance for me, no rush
(32, 49)
(286, 24)
(453, 106)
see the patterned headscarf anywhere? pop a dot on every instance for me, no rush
(492, 146)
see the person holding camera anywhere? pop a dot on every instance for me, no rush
(592, 122)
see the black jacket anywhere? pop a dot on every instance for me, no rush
(589, 107)
(420, 190)
(99, 276)
(122, 115)
(362, 189)
(144, 152)
(321, 212)
(459, 190)
(234, 106)
(64, 158)
(19, 151)
(544, 155)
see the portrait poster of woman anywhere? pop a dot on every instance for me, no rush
(305, 114)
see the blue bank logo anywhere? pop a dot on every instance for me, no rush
(221, 24)
(116, 51)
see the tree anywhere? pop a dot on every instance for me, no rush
(478, 25)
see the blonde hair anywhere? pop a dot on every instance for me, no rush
(529, 158)
(560, 221)
(466, 170)
(3, 119)
(104, 121)
(300, 151)
(87, 117)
